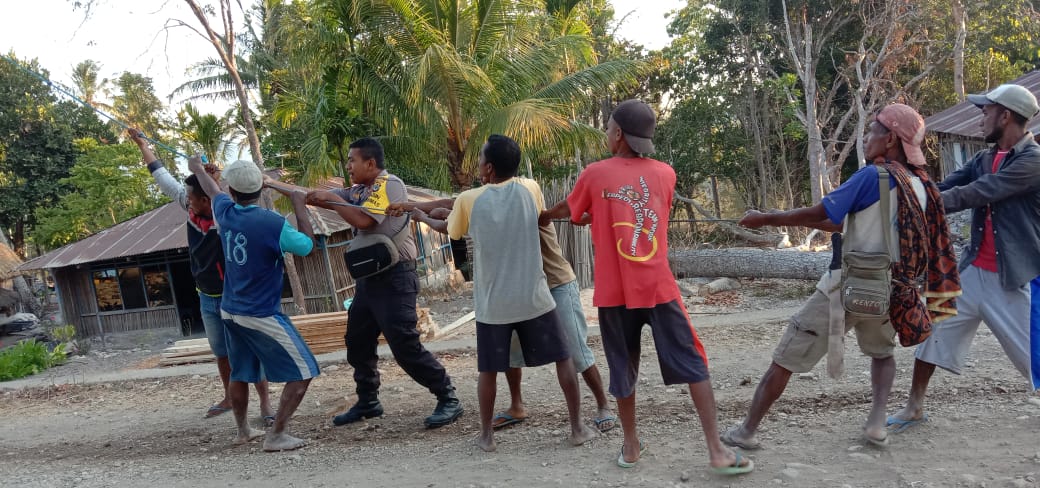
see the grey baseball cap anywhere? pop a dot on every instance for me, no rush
(1015, 98)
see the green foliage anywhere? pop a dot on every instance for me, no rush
(28, 358)
(207, 133)
(35, 148)
(109, 185)
(136, 104)
(433, 79)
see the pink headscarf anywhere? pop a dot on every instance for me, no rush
(908, 125)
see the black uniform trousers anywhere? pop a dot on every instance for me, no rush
(385, 303)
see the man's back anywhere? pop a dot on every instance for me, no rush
(253, 257)
(629, 200)
(502, 219)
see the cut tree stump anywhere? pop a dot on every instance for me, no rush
(748, 263)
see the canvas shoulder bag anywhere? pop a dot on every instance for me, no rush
(866, 277)
(370, 253)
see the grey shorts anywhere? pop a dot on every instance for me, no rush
(573, 325)
(805, 341)
(983, 299)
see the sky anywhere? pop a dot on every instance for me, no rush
(124, 35)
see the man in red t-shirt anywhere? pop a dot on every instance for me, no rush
(628, 198)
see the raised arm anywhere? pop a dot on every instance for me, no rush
(167, 183)
(303, 220)
(207, 183)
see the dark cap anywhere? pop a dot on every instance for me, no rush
(637, 122)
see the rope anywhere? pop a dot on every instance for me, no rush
(69, 94)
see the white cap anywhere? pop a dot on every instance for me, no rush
(243, 176)
(1013, 97)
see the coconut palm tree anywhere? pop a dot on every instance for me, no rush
(437, 77)
(207, 133)
(85, 80)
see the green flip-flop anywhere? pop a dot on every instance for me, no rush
(736, 468)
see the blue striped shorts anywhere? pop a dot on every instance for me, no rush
(272, 343)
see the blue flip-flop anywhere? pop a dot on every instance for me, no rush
(506, 420)
(599, 421)
(901, 425)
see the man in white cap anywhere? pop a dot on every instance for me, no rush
(258, 334)
(1002, 187)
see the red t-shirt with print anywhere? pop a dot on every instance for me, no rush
(629, 200)
(987, 258)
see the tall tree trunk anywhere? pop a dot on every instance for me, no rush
(225, 47)
(960, 20)
(25, 293)
(460, 178)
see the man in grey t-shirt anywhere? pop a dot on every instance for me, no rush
(386, 302)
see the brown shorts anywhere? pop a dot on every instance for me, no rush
(805, 341)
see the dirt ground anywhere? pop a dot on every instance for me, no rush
(983, 430)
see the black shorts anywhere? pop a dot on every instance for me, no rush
(541, 341)
(679, 351)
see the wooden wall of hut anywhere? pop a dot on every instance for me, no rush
(79, 307)
(326, 282)
(575, 240)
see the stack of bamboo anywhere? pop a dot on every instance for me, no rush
(323, 333)
(186, 352)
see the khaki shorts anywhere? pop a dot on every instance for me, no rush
(805, 341)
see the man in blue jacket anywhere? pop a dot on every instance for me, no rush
(1002, 187)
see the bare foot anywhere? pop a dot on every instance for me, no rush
(246, 437)
(486, 441)
(583, 435)
(282, 442)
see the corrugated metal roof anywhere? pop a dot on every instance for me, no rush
(963, 119)
(158, 230)
(163, 229)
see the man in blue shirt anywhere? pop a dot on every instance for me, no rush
(207, 265)
(258, 334)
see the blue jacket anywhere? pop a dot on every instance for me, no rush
(1013, 196)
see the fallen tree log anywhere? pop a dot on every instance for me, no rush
(752, 236)
(748, 263)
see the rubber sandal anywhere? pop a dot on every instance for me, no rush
(503, 419)
(736, 468)
(599, 421)
(625, 464)
(216, 410)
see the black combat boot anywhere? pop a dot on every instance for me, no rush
(448, 410)
(367, 406)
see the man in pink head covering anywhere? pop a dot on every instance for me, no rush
(893, 141)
